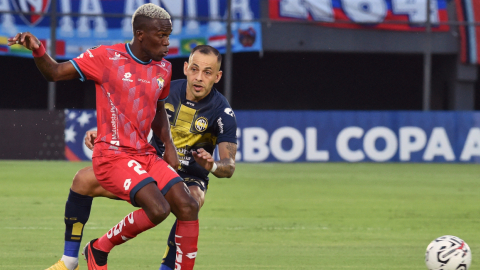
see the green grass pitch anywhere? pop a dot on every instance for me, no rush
(268, 216)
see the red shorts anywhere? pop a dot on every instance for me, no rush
(124, 175)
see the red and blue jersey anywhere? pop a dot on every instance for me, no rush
(127, 91)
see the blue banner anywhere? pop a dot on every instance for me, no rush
(75, 34)
(299, 136)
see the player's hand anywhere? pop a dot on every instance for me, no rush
(203, 158)
(90, 139)
(26, 39)
(170, 156)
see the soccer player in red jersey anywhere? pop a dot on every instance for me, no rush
(132, 80)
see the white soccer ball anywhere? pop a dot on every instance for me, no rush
(448, 252)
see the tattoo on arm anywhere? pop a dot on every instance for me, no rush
(226, 166)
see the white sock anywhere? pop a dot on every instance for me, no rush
(70, 262)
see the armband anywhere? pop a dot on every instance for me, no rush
(39, 52)
(214, 167)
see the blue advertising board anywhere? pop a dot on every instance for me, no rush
(77, 33)
(333, 136)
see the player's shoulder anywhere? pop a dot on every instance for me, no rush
(120, 47)
(104, 49)
(177, 85)
(221, 104)
(164, 64)
(218, 99)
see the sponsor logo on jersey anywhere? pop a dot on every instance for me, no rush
(117, 56)
(114, 122)
(127, 77)
(160, 82)
(163, 66)
(184, 158)
(190, 103)
(220, 125)
(201, 124)
(39, 6)
(83, 54)
(143, 81)
(183, 151)
(229, 112)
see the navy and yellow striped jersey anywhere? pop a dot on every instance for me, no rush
(195, 125)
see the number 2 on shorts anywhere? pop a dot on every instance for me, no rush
(137, 168)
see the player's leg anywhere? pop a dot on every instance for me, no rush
(77, 212)
(197, 188)
(139, 188)
(154, 210)
(185, 208)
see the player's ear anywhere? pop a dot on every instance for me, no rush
(185, 68)
(139, 34)
(219, 76)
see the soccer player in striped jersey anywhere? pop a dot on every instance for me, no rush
(132, 82)
(200, 120)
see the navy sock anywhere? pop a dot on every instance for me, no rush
(170, 253)
(77, 212)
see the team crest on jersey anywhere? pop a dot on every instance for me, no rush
(201, 124)
(160, 82)
(39, 6)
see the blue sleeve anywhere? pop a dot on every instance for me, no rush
(75, 65)
(227, 126)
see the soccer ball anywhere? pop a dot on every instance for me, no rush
(448, 253)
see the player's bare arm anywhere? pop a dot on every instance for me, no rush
(226, 164)
(161, 128)
(50, 69)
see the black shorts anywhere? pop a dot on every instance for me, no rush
(192, 180)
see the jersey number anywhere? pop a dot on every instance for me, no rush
(137, 168)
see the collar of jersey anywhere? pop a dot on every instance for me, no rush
(127, 46)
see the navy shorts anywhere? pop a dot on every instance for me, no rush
(192, 180)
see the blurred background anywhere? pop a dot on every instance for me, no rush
(309, 80)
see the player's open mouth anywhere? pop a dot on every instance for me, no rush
(197, 87)
(165, 53)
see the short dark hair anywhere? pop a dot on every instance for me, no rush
(140, 22)
(207, 49)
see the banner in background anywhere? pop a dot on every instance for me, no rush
(363, 14)
(75, 34)
(299, 136)
(469, 11)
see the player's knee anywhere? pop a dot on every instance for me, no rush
(158, 214)
(82, 182)
(188, 210)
